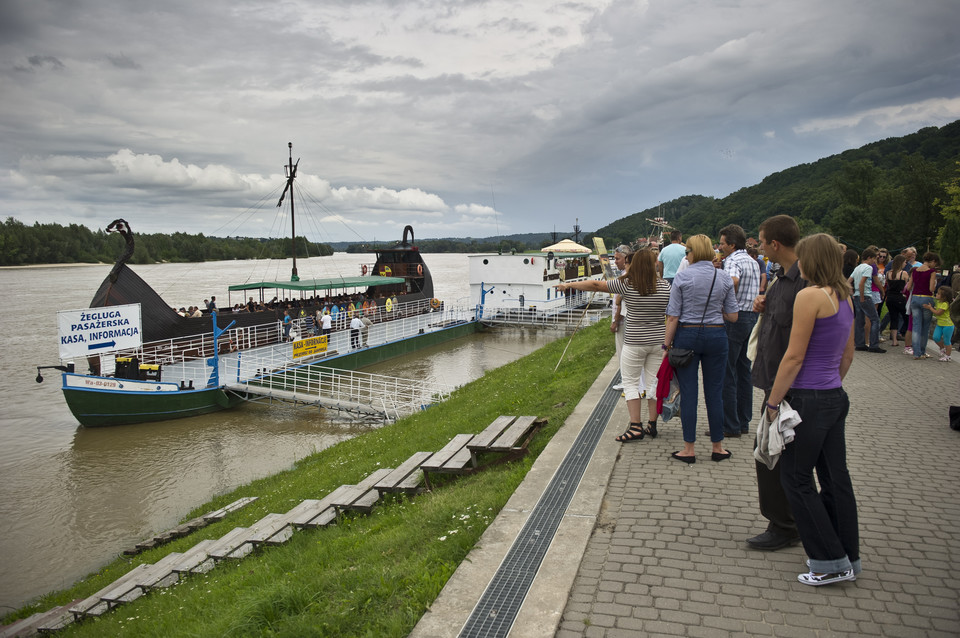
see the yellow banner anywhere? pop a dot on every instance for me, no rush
(311, 345)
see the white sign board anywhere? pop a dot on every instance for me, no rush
(94, 331)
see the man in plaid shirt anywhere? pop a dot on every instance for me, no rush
(737, 387)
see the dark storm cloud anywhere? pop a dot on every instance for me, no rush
(428, 109)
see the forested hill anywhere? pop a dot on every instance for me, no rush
(889, 193)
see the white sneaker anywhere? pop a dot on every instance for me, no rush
(814, 579)
(943, 357)
(619, 386)
(908, 350)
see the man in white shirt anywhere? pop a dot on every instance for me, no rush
(355, 326)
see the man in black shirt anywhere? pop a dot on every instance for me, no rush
(778, 239)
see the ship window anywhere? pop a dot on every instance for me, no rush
(548, 294)
(526, 261)
(485, 262)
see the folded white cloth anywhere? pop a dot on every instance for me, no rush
(773, 436)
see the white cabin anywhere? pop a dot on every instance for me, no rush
(530, 280)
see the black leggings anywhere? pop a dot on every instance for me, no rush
(897, 311)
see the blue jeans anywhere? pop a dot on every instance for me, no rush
(709, 347)
(865, 309)
(737, 387)
(922, 318)
(826, 519)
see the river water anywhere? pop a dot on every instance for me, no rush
(72, 498)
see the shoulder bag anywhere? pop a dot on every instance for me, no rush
(682, 357)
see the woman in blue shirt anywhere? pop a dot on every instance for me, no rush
(701, 298)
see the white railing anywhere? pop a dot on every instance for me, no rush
(184, 358)
(270, 374)
(566, 319)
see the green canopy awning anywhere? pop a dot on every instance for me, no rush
(332, 283)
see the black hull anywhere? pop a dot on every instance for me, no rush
(160, 322)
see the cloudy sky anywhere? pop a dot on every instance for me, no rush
(460, 117)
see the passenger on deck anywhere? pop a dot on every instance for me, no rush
(326, 322)
(355, 326)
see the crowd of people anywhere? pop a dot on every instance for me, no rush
(786, 315)
(323, 315)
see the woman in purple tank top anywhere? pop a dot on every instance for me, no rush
(809, 378)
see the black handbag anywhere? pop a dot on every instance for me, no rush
(682, 357)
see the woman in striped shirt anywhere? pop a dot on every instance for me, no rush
(646, 296)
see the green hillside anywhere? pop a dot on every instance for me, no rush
(891, 193)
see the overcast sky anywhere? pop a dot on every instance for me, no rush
(461, 118)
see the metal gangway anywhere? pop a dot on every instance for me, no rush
(270, 376)
(563, 319)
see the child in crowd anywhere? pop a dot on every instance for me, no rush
(943, 332)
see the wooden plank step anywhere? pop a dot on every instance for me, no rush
(195, 560)
(54, 620)
(458, 462)
(216, 515)
(233, 544)
(272, 529)
(491, 432)
(507, 441)
(95, 605)
(24, 627)
(163, 574)
(439, 458)
(41, 622)
(303, 514)
(358, 497)
(406, 477)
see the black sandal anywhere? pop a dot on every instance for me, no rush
(634, 433)
(651, 429)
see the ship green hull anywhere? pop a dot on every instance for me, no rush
(96, 407)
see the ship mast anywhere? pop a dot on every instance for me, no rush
(291, 171)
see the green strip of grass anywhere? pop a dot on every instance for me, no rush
(369, 575)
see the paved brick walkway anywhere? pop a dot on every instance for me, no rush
(667, 556)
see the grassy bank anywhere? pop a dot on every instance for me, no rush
(369, 575)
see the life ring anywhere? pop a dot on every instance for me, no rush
(420, 269)
(363, 269)
(434, 303)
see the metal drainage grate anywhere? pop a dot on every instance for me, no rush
(498, 607)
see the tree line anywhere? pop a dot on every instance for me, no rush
(489, 245)
(57, 244)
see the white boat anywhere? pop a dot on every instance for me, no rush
(529, 281)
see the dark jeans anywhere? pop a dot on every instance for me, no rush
(826, 520)
(354, 338)
(774, 505)
(737, 386)
(709, 346)
(865, 310)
